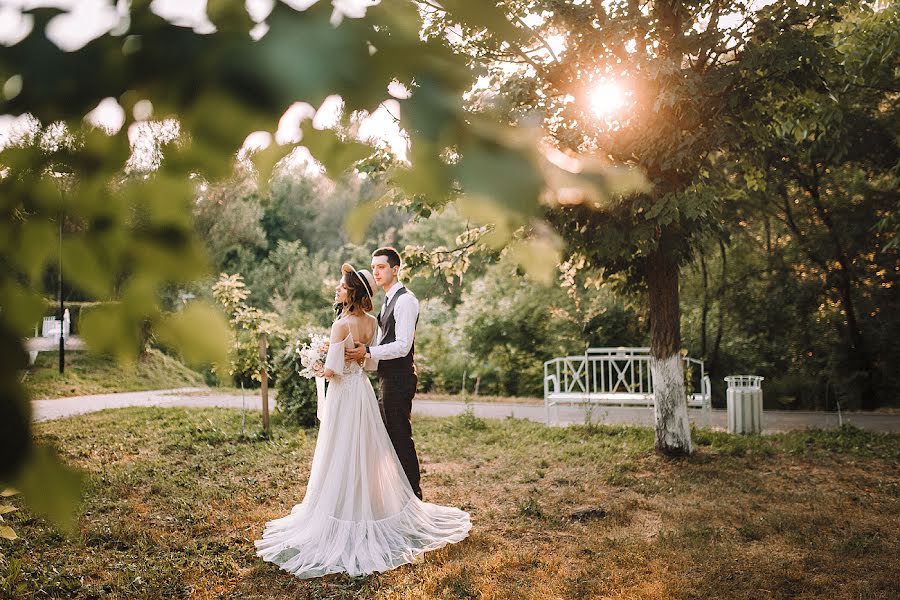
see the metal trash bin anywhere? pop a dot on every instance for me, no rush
(745, 400)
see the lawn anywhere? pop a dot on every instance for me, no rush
(87, 373)
(440, 397)
(174, 499)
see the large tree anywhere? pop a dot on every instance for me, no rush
(695, 73)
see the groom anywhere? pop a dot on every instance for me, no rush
(393, 354)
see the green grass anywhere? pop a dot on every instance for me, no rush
(87, 374)
(471, 398)
(174, 499)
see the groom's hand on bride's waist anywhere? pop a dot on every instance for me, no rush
(356, 353)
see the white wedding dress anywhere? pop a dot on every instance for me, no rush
(360, 514)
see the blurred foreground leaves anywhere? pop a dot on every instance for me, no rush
(121, 198)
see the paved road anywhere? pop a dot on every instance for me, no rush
(45, 410)
(773, 420)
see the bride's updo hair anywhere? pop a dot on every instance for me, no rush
(358, 298)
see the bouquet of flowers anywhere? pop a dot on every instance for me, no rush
(312, 356)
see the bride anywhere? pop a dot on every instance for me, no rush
(359, 515)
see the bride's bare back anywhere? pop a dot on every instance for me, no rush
(361, 327)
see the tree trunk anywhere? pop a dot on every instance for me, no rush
(704, 309)
(720, 318)
(860, 359)
(673, 433)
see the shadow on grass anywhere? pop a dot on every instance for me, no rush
(175, 497)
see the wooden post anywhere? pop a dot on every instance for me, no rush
(264, 381)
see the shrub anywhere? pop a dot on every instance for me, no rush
(248, 323)
(793, 391)
(296, 394)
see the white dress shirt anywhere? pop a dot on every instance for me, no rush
(406, 312)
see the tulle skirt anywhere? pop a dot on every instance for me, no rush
(359, 515)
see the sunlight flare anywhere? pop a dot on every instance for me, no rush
(607, 98)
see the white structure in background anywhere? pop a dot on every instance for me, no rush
(50, 328)
(48, 340)
(612, 377)
(745, 400)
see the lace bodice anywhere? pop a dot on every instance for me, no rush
(353, 368)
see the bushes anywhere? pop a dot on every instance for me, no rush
(440, 360)
(248, 323)
(296, 394)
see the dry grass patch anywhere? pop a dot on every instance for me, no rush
(175, 498)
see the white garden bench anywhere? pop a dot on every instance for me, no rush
(613, 377)
(48, 340)
(51, 326)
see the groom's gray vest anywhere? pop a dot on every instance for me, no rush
(405, 365)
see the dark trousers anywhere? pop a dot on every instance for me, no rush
(395, 395)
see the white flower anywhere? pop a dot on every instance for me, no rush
(312, 355)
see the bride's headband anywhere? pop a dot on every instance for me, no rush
(366, 277)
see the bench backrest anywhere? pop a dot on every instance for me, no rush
(618, 370)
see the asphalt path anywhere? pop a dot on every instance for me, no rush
(773, 420)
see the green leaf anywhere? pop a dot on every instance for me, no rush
(218, 124)
(538, 257)
(358, 219)
(5, 508)
(265, 161)
(228, 16)
(621, 181)
(337, 155)
(200, 333)
(37, 243)
(506, 177)
(431, 178)
(165, 200)
(50, 487)
(22, 308)
(81, 264)
(7, 533)
(484, 15)
(108, 329)
(482, 210)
